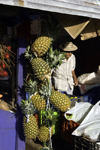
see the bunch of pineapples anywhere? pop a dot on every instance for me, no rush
(43, 59)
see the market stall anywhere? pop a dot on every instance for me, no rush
(35, 107)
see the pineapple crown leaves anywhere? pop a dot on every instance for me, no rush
(30, 86)
(51, 27)
(28, 54)
(27, 107)
(45, 90)
(49, 118)
(54, 57)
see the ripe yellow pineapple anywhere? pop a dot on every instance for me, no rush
(30, 125)
(40, 68)
(38, 102)
(50, 30)
(41, 46)
(44, 133)
(60, 101)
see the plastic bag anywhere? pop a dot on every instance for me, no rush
(89, 78)
(85, 87)
(78, 112)
(88, 81)
(90, 126)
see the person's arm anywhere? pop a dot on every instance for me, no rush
(75, 78)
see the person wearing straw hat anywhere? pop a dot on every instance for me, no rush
(64, 76)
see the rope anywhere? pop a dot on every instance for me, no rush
(27, 116)
(48, 104)
(50, 141)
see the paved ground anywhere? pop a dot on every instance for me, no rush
(57, 142)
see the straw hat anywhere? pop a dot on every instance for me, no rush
(68, 46)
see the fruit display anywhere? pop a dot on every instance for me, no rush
(42, 58)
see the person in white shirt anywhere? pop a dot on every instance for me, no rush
(64, 77)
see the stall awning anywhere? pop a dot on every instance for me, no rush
(87, 8)
(76, 25)
(78, 17)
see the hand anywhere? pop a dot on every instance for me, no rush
(76, 82)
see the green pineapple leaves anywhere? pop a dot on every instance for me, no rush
(54, 57)
(31, 86)
(28, 54)
(49, 118)
(45, 90)
(27, 107)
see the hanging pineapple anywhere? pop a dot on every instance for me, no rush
(40, 68)
(30, 125)
(50, 31)
(38, 102)
(48, 120)
(41, 46)
(60, 101)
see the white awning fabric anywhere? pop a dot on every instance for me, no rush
(76, 16)
(87, 8)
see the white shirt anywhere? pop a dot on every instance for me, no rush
(62, 75)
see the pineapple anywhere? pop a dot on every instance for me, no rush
(38, 102)
(48, 120)
(40, 68)
(41, 46)
(30, 125)
(43, 135)
(60, 101)
(50, 31)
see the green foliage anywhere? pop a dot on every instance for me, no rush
(54, 58)
(49, 118)
(45, 90)
(27, 107)
(31, 86)
(28, 54)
